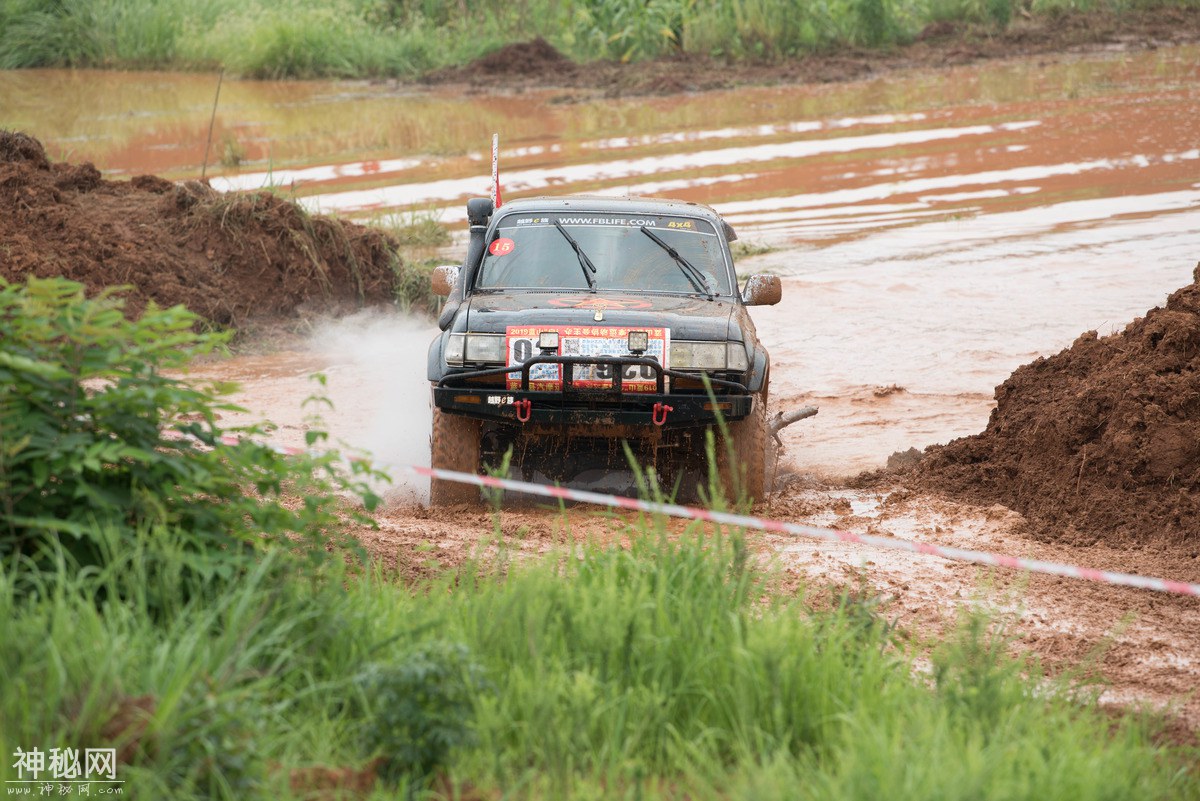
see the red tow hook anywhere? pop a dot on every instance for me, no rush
(660, 413)
(524, 409)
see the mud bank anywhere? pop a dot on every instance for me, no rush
(1100, 442)
(537, 64)
(229, 258)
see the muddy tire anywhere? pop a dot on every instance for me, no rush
(453, 445)
(752, 451)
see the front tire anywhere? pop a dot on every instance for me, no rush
(453, 445)
(743, 459)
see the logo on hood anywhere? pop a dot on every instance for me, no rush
(601, 304)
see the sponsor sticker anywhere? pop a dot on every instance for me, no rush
(586, 340)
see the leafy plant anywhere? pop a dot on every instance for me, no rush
(96, 436)
(631, 29)
(421, 708)
(872, 17)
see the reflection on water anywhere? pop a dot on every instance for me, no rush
(811, 165)
(938, 229)
(602, 175)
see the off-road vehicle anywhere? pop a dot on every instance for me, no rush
(575, 324)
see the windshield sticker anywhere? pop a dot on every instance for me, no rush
(586, 340)
(626, 221)
(660, 223)
(502, 246)
(600, 303)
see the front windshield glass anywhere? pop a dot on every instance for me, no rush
(531, 251)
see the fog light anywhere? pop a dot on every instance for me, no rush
(639, 341)
(548, 340)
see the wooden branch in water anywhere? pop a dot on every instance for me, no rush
(782, 420)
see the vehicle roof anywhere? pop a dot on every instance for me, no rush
(603, 203)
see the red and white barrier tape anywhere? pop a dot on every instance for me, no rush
(833, 535)
(794, 529)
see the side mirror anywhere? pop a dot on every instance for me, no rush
(444, 278)
(762, 290)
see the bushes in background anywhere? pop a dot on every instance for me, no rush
(361, 38)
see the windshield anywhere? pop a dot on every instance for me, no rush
(607, 251)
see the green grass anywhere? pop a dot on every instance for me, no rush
(418, 235)
(363, 38)
(661, 671)
(221, 647)
(416, 231)
(741, 249)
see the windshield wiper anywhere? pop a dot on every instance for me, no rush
(693, 275)
(585, 263)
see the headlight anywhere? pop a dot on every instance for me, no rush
(698, 355)
(737, 357)
(486, 348)
(709, 356)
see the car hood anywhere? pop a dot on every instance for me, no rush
(687, 317)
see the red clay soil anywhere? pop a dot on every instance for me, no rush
(1100, 442)
(227, 258)
(536, 64)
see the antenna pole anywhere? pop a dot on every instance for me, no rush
(496, 171)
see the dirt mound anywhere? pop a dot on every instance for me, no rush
(16, 146)
(522, 58)
(1099, 442)
(536, 59)
(229, 258)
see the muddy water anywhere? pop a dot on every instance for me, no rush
(936, 229)
(787, 164)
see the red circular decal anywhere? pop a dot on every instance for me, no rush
(502, 246)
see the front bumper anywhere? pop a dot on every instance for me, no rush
(575, 406)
